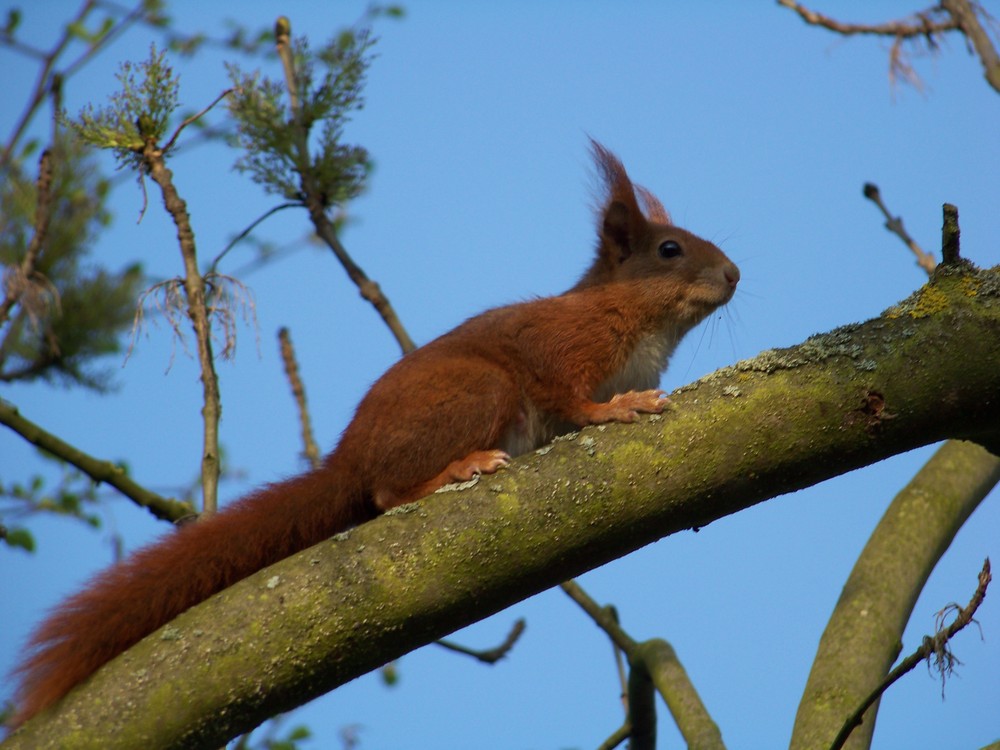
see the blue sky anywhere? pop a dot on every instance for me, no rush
(756, 132)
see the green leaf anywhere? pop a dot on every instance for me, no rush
(20, 538)
(12, 22)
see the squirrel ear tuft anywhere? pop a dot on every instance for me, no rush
(653, 208)
(622, 222)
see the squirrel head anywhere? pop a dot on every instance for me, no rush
(638, 241)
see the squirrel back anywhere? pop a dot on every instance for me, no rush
(502, 383)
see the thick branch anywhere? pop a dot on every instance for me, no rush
(655, 661)
(936, 646)
(782, 421)
(166, 509)
(863, 636)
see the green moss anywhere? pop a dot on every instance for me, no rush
(928, 301)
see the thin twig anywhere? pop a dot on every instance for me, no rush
(42, 83)
(895, 225)
(620, 663)
(167, 509)
(492, 655)
(246, 232)
(193, 118)
(606, 618)
(97, 45)
(309, 448)
(936, 646)
(922, 26)
(194, 289)
(601, 616)
(370, 290)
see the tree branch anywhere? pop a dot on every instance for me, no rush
(922, 24)
(963, 13)
(194, 289)
(653, 664)
(310, 450)
(936, 646)
(489, 655)
(895, 225)
(926, 25)
(166, 509)
(855, 652)
(782, 421)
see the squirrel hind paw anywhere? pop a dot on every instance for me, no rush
(462, 470)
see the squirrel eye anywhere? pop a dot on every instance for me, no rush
(670, 249)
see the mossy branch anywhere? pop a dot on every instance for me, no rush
(855, 652)
(768, 426)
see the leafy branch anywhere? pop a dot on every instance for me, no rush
(323, 88)
(132, 127)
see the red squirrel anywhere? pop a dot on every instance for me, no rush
(501, 384)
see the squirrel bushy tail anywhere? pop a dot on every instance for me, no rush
(130, 600)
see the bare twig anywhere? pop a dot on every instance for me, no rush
(492, 655)
(193, 118)
(108, 472)
(921, 24)
(600, 615)
(927, 26)
(932, 646)
(606, 617)
(895, 225)
(309, 448)
(370, 290)
(246, 232)
(194, 288)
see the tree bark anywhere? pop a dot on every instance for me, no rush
(923, 371)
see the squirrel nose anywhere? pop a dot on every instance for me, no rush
(732, 274)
